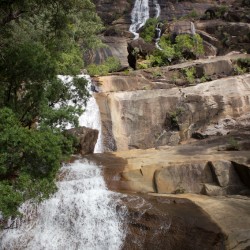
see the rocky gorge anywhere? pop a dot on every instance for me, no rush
(171, 164)
(181, 147)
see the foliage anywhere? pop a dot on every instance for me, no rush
(111, 64)
(38, 41)
(185, 47)
(29, 161)
(243, 64)
(191, 15)
(174, 118)
(204, 79)
(221, 10)
(148, 31)
(238, 70)
(157, 73)
(189, 74)
(162, 57)
(233, 144)
(189, 46)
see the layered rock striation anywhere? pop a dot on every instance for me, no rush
(137, 112)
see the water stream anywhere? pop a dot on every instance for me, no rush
(140, 14)
(81, 215)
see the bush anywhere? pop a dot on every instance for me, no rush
(29, 162)
(190, 74)
(188, 46)
(148, 31)
(111, 64)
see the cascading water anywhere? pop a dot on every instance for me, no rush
(91, 116)
(81, 215)
(140, 14)
(157, 8)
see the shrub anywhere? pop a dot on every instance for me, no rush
(190, 74)
(29, 162)
(148, 31)
(233, 145)
(188, 46)
(111, 64)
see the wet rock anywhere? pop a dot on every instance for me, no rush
(225, 173)
(183, 178)
(168, 223)
(86, 139)
(138, 49)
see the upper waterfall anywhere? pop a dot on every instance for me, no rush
(140, 14)
(157, 8)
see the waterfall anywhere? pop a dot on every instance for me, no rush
(91, 116)
(157, 8)
(81, 215)
(157, 36)
(192, 28)
(140, 14)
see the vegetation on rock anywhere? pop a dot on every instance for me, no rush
(39, 40)
(183, 46)
(111, 64)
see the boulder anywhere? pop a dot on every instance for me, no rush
(137, 119)
(243, 171)
(115, 47)
(225, 173)
(220, 67)
(138, 49)
(86, 139)
(183, 178)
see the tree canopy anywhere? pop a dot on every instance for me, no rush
(39, 39)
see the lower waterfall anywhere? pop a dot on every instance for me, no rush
(80, 215)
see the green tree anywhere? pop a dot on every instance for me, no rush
(38, 41)
(148, 31)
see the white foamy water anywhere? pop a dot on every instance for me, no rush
(81, 215)
(91, 116)
(157, 8)
(140, 15)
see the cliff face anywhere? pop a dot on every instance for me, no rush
(140, 112)
(220, 36)
(182, 144)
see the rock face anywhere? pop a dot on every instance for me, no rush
(151, 118)
(86, 139)
(232, 35)
(115, 47)
(172, 180)
(168, 223)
